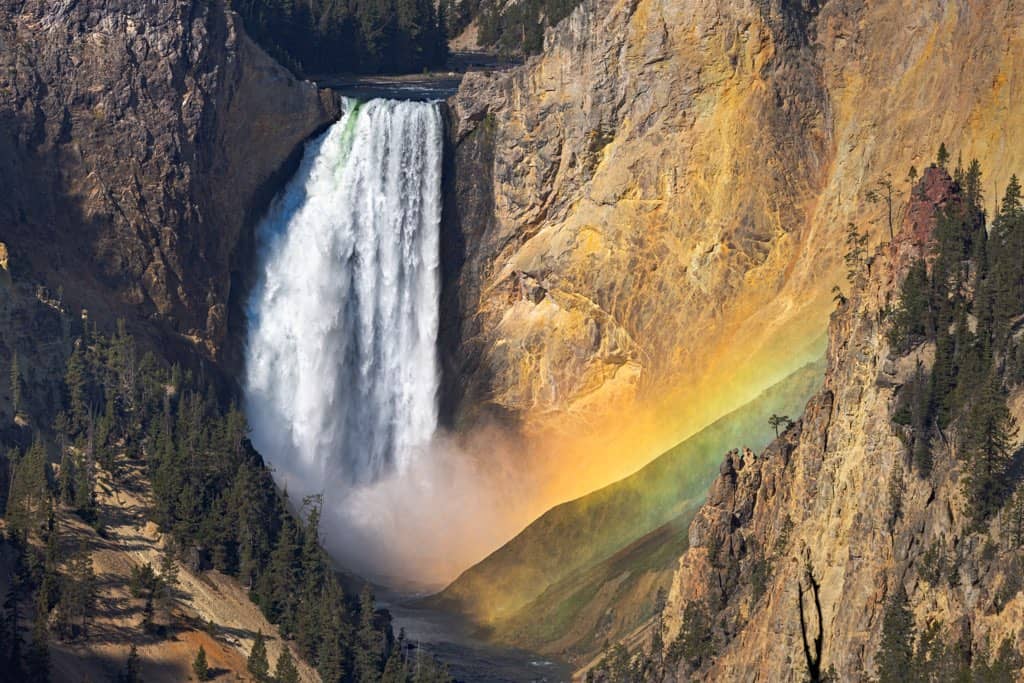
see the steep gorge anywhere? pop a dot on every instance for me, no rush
(641, 229)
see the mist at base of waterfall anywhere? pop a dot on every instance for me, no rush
(342, 374)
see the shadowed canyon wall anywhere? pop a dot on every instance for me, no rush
(136, 142)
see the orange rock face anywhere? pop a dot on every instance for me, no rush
(677, 178)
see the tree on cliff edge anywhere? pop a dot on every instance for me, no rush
(258, 665)
(200, 668)
(896, 651)
(286, 672)
(989, 436)
(776, 421)
(15, 384)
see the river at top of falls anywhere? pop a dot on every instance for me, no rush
(341, 363)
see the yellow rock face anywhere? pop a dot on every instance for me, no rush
(823, 496)
(675, 179)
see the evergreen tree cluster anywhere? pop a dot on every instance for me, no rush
(52, 591)
(212, 495)
(692, 649)
(517, 27)
(968, 299)
(357, 36)
(906, 655)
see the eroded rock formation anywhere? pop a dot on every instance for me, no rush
(137, 141)
(836, 494)
(676, 178)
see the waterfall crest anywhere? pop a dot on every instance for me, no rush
(341, 363)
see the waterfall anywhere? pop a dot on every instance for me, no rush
(341, 364)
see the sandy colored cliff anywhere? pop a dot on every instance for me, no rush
(652, 211)
(836, 494)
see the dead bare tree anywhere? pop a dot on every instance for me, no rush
(813, 658)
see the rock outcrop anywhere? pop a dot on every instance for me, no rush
(651, 211)
(836, 495)
(138, 142)
(548, 601)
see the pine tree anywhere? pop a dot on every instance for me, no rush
(896, 491)
(987, 449)
(693, 645)
(106, 433)
(1004, 667)
(776, 421)
(124, 365)
(258, 665)
(429, 670)
(16, 383)
(370, 643)
(132, 672)
(1013, 519)
(972, 187)
(1006, 263)
(942, 158)
(164, 586)
(76, 381)
(896, 650)
(308, 626)
(148, 615)
(395, 670)
(928, 654)
(286, 672)
(883, 192)
(78, 594)
(48, 587)
(856, 253)
(37, 655)
(66, 485)
(10, 637)
(1012, 198)
(84, 487)
(337, 635)
(200, 668)
(911, 319)
(29, 491)
(943, 379)
(657, 649)
(914, 412)
(283, 577)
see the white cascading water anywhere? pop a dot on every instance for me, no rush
(341, 363)
(341, 368)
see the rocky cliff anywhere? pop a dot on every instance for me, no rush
(649, 211)
(138, 141)
(588, 571)
(836, 496)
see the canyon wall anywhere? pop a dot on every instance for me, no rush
(651, 213)
(138, 140)
(836, 495)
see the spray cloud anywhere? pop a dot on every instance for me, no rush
(341, 363)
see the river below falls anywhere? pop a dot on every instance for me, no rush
(469, 659)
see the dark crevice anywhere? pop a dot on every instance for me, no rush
(243, 260)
